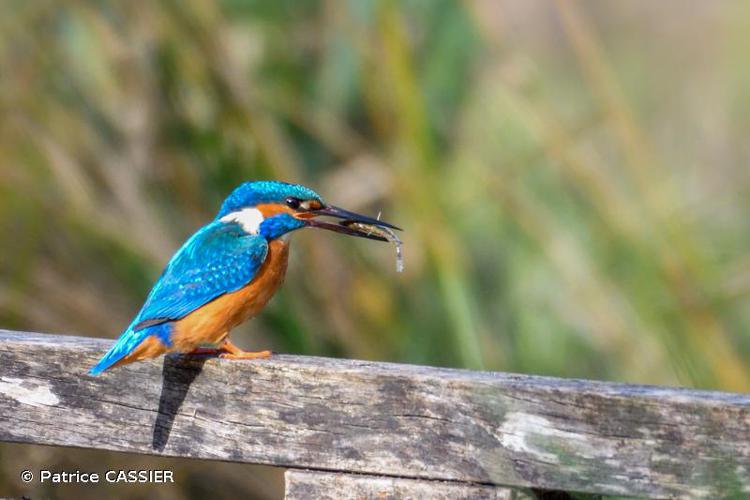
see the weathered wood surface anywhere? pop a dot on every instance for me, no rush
(381, 419)
(304, 485)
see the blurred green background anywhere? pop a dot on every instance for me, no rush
(571, 176)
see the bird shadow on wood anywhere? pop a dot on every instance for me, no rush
(178, 373)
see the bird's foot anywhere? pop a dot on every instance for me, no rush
(231, 351)
(245, 355)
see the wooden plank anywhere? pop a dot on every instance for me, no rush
(381, 419)
(304, 485)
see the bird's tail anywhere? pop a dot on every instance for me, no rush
(127, 342)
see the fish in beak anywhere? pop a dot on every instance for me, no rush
(353, 224)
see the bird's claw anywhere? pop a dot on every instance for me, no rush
(245, 355)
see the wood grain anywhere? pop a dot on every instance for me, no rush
(304, 485)
(381, 419)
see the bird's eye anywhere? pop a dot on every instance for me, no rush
(293, 203)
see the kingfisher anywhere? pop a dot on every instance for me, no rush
(228, 271)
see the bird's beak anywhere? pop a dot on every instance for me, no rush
(348, 222)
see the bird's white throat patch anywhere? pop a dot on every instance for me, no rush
(249, 218)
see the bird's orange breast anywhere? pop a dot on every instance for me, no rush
(211, 323)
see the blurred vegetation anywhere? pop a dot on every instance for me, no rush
(571, 177)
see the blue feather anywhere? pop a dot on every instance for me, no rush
(250, 194)
(129, 341)
(220, 258)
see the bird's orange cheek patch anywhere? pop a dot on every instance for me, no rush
(271, 209)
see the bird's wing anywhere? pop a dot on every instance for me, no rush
(218, 259)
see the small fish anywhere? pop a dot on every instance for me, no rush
(384, 232)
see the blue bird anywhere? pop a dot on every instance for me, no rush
(227, 272)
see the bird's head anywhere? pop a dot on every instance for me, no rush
(272, 209)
